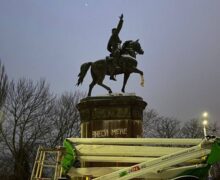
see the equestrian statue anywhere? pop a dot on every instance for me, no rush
(122, 60)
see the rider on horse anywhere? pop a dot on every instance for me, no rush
(125, 57)
(114, 47)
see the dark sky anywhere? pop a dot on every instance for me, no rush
(51, 38)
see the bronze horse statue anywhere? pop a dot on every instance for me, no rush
(100, 68)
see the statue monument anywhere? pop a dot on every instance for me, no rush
(112, 115)
(122, 60)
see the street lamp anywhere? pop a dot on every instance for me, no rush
(205, 114)
(205, 122)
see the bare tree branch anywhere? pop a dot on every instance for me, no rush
(3, 84)
(66, 120)
(28, 109)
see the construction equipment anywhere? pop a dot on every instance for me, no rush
(152, 158)
(47, 165)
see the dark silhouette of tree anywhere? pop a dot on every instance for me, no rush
(166, 127)
(159, 126)
(3, 93)
(27, 108)
(66, 119)
(3, 84)
(33, 117)
(192, 129)
(149, 116)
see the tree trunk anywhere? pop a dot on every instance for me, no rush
(21, 166)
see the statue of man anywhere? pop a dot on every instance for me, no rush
(114, 47)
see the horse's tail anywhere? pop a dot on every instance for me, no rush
(83, 70)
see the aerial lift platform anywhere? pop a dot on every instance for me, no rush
(152, 158)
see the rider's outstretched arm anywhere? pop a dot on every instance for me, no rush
(120, 23)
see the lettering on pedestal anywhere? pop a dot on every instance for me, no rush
(113, 133)
(119, 131)
(100, 133)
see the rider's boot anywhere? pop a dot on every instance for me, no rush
(112, 73)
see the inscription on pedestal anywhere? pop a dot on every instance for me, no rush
(111, 116)
(109, 133)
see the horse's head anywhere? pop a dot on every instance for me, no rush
(137, 47)
(132, 48)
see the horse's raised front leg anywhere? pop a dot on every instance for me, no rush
(142, 75)
(126, 76)
(106, 87)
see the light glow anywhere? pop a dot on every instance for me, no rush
(205, 122)
(205, 115)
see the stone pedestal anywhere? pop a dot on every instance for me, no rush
(111, 116)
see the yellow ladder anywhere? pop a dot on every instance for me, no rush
(47, 160)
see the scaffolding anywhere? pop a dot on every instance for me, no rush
(47, 165)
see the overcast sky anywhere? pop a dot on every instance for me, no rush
(51, 38)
